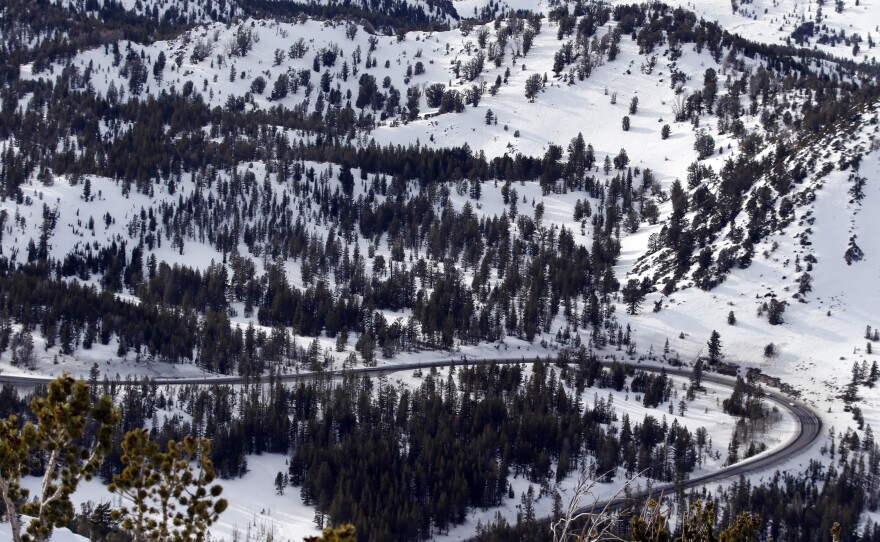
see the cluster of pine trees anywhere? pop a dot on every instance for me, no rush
(407, 464)
(825, 502)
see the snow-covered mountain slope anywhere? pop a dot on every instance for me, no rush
(834, 27)
(303, 188)
(830, 289)
(322, 65)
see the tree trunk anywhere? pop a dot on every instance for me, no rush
(14, 521)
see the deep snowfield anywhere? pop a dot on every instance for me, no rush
(816, 346)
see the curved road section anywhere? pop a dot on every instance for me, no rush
(808, 431)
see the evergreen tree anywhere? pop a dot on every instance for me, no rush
(633, 296)
(343, 533)
(697, 375)
(650, 525)
(57, 442)
(169, 493)
(279, 483)
(714, 345)
(23, 350)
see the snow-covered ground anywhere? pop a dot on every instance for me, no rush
(59, 535)
(772, 21)
(822, 337)
(815, 347)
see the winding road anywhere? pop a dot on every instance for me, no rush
(808, 432)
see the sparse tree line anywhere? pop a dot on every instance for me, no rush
(62, 29)
(716, 200)
(380, 16)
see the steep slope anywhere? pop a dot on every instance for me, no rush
(809, 263)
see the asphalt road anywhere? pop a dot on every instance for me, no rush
(808, 431)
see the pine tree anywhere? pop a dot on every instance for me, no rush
(101, 522)
(14, 463)
(23, 349)
(699, 522)
(650, 525)
(633, 296)
(697, 375)
(714, 347)
(169, 493)
(159, 66)
(5, 329)
(56, 439)
(279, 483)
(774, 312)
(745, 528)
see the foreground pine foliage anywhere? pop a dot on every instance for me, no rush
(169, 492)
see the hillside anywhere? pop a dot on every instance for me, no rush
(371, 92)
(254, 188)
